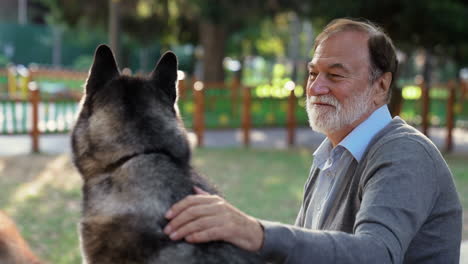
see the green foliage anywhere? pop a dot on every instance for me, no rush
(274, 36)
(276, 88)
(3, 61)
(258, 27)
(83, 63)
(440, 26)
(270, 80)
(145, 21)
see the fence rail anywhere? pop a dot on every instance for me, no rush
(207, 105)
(55, 116)
(14, 117)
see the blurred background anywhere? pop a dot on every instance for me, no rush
(241, 92)
(263, 45)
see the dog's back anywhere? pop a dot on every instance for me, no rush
(132, 152)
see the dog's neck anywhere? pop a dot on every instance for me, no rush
(121, 161)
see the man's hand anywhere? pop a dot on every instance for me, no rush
(203, 217)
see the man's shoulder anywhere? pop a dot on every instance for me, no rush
(399, 135)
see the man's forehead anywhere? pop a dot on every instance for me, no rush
(331, 64)
(342, 43)
(351, 36)
(334, 62)
(343, 48)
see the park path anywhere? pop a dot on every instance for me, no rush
(260, 138)
(464, 252)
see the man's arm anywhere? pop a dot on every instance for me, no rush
(204, 217)
(398, 193)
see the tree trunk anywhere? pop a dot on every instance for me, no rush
(144, 60)
(57, 45)
(395, 104)
(213, 40)
(426, 101)
(294, 44)
(396, 101)
(114, 28)
(23, 12)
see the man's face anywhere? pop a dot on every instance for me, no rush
(339, 93)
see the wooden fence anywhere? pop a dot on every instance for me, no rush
(442, 105)
(38, 115)
(202, 106)
(237, 106)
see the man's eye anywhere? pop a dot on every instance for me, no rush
(313, 75)
(335, 76)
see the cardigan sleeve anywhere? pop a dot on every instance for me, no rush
(398, 192)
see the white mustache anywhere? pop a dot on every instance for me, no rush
(324, 99)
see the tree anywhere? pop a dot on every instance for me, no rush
(145, 22)
(439, 27)
(218, 19)
(208, 22)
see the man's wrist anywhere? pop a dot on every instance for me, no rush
(255, 235)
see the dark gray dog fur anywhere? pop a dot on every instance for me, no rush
(132, 151)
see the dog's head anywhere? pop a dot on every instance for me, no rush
(122, 116)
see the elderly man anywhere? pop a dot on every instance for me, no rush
(378, 191)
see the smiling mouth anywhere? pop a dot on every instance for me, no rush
(323, 104)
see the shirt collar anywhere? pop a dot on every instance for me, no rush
(322, 153)
(357, 140)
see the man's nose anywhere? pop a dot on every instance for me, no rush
(317, 87)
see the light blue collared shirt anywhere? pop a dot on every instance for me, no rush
(333, 162)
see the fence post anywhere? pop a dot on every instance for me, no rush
(425, 108)
(291, 118)
(246, 115)
(199, 118)
(464, 90)
(235, 85)
(181, 88)
(34, 99)
(450, 116)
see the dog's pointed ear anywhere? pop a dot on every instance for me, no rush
(104, 68)
(165, 74)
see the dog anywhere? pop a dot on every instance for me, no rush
(131, 149)
(13, 248)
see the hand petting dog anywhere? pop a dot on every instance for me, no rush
(204, 217)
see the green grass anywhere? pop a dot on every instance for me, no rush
(43, 192)
(264, 183)
(459, 167)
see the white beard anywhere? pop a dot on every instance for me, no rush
(328, 119)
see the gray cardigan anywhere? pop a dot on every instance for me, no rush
(398, 205)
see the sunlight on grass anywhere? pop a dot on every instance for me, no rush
(298, 193)
(273, 180)
(44, 178)
(42, 193)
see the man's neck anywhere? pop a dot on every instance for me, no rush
(337, 136)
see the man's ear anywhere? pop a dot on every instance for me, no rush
(104, 69)
(382, 87)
